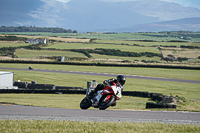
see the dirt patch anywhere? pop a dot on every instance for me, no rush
(179, 52)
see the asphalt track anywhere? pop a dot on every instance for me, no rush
(45, 113)
(106, 74)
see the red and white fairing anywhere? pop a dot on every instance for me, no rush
(113, 89)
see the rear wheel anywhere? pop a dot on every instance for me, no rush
(85, 103)
(106, 102)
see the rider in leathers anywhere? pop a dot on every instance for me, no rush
(120, 81)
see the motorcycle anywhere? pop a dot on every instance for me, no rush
(102, 99)
(30, 68)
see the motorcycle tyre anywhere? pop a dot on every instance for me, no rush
(103, 107)
(85, 103)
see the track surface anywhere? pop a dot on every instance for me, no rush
(107, 74)
(45, 113)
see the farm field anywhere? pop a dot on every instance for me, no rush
(145, 43)
(24, 53)
(12, 44)
(180, 52)
(121, 49)
(118, 59)
(162, 36)
(104, 46)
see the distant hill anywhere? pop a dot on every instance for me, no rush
(186, 24)
(96, 15)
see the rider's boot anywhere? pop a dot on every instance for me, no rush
(91, 94)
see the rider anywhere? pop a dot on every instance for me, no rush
(120, 81)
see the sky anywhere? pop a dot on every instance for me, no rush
(185, 3)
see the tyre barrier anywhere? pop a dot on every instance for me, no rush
(21, 84)
(35, 91)
(136, 93)
(41, 86)
(157, 105)
(32, 86)
(161, 99)
(156, 97)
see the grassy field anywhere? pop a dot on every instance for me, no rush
(67, 101)
(153, 72)
(188, 53)
(43, 126)
(131, 42)
(143, 43)
(104, 46)
(24, 53)
(12, 44)
(110, 58)
(73, 101)
(117, 36)
(66, 39)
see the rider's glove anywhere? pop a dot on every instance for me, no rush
(110, 81)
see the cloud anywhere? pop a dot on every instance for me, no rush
(186, 3)
(64, 1)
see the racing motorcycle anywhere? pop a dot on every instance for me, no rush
(103, 98)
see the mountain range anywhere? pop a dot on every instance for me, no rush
(99, 16)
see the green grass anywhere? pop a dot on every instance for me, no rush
(175, 88)
(188, 53)
(195, 44)
(24, 53)
(153, 72)
(62, 101)
(43, 126)
(105, 46)
(114, 41)
(145, 43)
(12, 44)
(67, 101)
(98, 56)
(119, 36)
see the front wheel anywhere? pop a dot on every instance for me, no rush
(85, 103)
(106, 102)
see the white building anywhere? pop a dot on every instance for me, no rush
(6, 80)
(36, 41)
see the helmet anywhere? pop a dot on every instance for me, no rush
(121, 79)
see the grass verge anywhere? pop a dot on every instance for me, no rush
(72, 101)
(92, 127)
